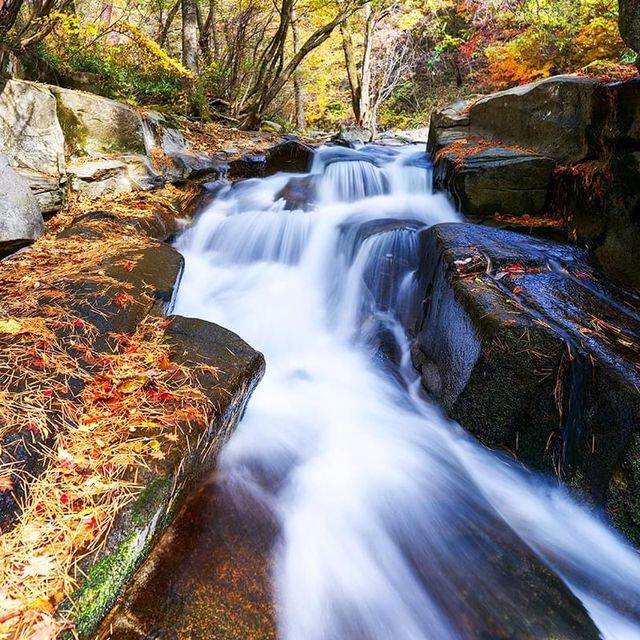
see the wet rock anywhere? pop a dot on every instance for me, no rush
(536, 354)
(560, 117)
(248, 167)
(494, 180)
(139, 525)
(94, 125)
(20, 218)
(207, 579)
(151, 280)
(189, 165)
(291, 156)
(298, 193)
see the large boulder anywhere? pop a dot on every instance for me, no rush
(494, 180)
(30, 133)
(561, 117)
(95, 126)
(20, 219)
(31, 137)
(533, 352)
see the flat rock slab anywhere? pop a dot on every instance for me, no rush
(208, 578)
(494, 180)
(530, 349)
(168, 481)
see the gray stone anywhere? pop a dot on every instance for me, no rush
(20, 219)
(94, 125)
(495, 180)
(49, 191)
(189, 165)
(448, 125)
(159, 133)
(30, 134)
(559, 117)
(113, 175)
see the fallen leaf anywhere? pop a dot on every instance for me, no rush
(10, 326)
(6, 483)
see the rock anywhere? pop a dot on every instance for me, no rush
(270, 126)
(138, 525)
(247, 167)
(448, 125)
(626, 96)
(560, 117)
(298, 193)
(189, 165)
(112, 176)
(160, 134)
(494, 180)
(30, 134)
(352, 135)
(20, 218)
(535, 353)
(94, 125)
(49, 191)
(291, 156)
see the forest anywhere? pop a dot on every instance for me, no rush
(308, 64)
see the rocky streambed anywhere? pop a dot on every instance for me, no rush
(521, 321)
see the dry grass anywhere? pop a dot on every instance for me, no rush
(94, 418)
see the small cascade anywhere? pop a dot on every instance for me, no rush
(392, 522)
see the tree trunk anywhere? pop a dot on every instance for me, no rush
(353, 75)
(298, 92)
(629, 21)
(265, 94)
(166, 27)
(365, 91)
(190, 35)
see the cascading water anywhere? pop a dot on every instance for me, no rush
(394, 523)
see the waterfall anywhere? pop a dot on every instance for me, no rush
(394, 523)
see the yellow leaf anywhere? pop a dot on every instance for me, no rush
(10, 326)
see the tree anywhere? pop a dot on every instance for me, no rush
(190, 35)
(629, 21)
(273, 71)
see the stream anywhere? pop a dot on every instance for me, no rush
(388, 521)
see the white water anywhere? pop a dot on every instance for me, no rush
(396, 525)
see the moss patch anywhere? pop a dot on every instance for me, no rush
(75, 134)
(108, 576)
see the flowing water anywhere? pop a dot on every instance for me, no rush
(393, 523)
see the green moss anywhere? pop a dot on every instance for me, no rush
(108, 576)
(76, 136)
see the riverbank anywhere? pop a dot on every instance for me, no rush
(111, 408)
